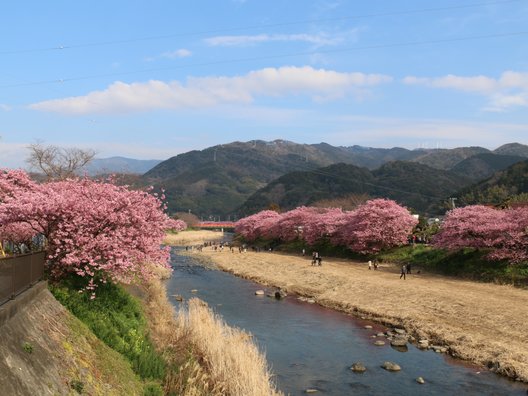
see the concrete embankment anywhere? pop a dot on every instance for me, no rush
(44, 350)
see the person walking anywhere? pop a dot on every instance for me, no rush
(370, 264)
(408, 268)
(402, 273)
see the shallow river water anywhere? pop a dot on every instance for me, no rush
(308, 346)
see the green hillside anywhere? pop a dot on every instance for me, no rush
(412, 184)
(499, 187)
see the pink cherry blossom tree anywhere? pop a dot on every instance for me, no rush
(473, 226)
(323, 226)
(377, 225)
(94, 229)
(250, 227)
(503, 232)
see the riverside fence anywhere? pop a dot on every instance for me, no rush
(20, 272)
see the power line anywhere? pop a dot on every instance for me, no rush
(269, 57)
(252, 27)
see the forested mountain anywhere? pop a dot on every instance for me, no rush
(499, 187)
(415, 185)
(218, 180)
(518, 149)
(482, 166)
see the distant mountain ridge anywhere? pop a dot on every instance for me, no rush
(120, 165)
(219, 179)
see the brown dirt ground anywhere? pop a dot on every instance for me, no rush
(483, 323)
(193, 237)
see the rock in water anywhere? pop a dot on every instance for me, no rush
(420, 380)
(399, 342)
(259, 293)
(358, 367)
(390, 366)
(379, 343)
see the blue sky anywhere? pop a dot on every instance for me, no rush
(154, 79)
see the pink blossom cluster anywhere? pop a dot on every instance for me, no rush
(378, 224)
(503, 232)
(94, 228)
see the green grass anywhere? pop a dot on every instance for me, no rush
(465, 263)
(116, 318)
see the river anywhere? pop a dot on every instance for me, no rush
(311, 347)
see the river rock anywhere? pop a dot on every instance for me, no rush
(420, 380)
(367, 327)
(358, 367)
(399, 331)
(259, 293)
(390, 366)
(310, 301)
(177, 297)
(311, 390)
(194, 291)
(280, 294)
(380, 335)
(399, 342)
(379, 343)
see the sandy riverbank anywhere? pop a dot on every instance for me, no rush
(483, 323)
(188, 238)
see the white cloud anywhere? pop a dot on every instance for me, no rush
(318, 40)
(198, 92)
(5, 107)
(179, 53)
(509, 90)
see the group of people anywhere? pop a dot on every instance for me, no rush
(372, 264)
(405, 269)
(317, 260)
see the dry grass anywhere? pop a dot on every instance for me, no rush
(207, 357)
(483, 323)
(188, 238)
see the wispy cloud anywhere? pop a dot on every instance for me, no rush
(179, 53)
(4, 107)
(120, 97)
(319, 40)
(176, 54)
(507, 91)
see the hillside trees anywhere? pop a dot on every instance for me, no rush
(94, 229)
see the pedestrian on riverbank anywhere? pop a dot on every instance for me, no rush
(370, 264)
(403, 270)
(408, 268)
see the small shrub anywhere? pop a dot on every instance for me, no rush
(27, 347)
(77, 386)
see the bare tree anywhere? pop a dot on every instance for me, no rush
(58, 163)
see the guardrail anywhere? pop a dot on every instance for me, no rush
(20, 272)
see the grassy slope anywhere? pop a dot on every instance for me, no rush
(116, 318)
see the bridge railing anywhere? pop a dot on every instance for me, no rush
(20, 272)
